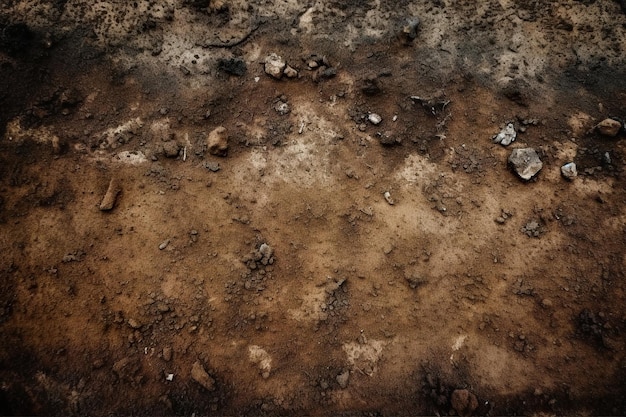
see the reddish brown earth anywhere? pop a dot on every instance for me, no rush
(472, 279)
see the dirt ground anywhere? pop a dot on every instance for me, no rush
(276, 277)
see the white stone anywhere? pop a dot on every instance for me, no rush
(274, 66)
(506, 135)
(569, 171)
(374, 118)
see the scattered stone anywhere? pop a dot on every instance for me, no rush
(233, 66)
(217, 141)
(171, 149)
(609, 127)
(282, 108)
(212, 166)
(409, 30)
(569, 171)
(374, 118)
(164, 244)
(525, 162)
(167, 354)
(532, 229)
(109, 199)
(343, 379)
(388, 198)
(274, 66)
(200, 375)
(506, 135)
(290, 72)
(464, 402)
(546, 303)
(266, 250)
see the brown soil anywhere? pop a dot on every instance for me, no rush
(472, 279)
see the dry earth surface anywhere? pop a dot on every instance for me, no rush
(261, 269)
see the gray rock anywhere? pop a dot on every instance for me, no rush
(506, 135)
(409, 30)
(164, 244)
(343, 378)
(282, 108)
(274, 66)
(126, 368)
(266, 250)
(525, 162)
(217, 141)
(569, 171)
(212, 166)
(609, 127)
(200, 375)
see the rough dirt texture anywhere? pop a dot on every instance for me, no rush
(276, 276)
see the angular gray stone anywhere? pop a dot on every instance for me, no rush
(525, 162)
(569, 171)
(506, 135)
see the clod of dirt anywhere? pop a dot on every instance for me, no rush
(569, 171)
(533, 229)
(126, 368)
(371, 86)
(167, 354)
(274, 66)
(200, 375)
(516, 90)
(109, 199)
(410, 30)
(217, 142)
(506, 135)
(388, 139)
(434, 105)
(609, 127)
(171, 149)
(233, 66)
(343, 379)
(464, 402)
(525, 163)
